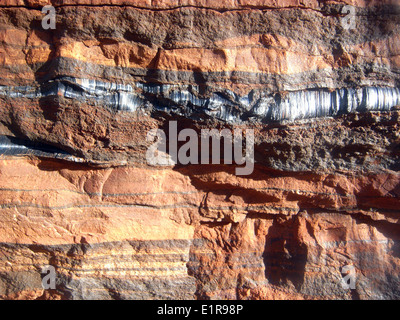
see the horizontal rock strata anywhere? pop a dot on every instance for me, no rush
(132, 233)
(77, 192)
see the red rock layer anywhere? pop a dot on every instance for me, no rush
(173, 43)
(224, 4)
(201, 232)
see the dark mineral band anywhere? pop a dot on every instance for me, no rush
(224, 105)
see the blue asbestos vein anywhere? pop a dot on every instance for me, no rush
(225, 105)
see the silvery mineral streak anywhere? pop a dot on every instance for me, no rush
(12, 146)
(225, 105)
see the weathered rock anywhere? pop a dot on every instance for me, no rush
(77, 192)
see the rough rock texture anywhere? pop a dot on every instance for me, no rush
(77, 193)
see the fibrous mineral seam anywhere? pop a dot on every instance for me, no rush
(224, 105)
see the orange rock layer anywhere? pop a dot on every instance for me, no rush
(275, 236)
(174, 41)
(224, 4)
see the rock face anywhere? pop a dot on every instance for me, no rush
(316, 218)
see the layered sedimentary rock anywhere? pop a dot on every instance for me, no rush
(77, 192)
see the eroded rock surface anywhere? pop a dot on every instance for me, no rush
(76, 189)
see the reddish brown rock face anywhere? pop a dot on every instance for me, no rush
(78, 193)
